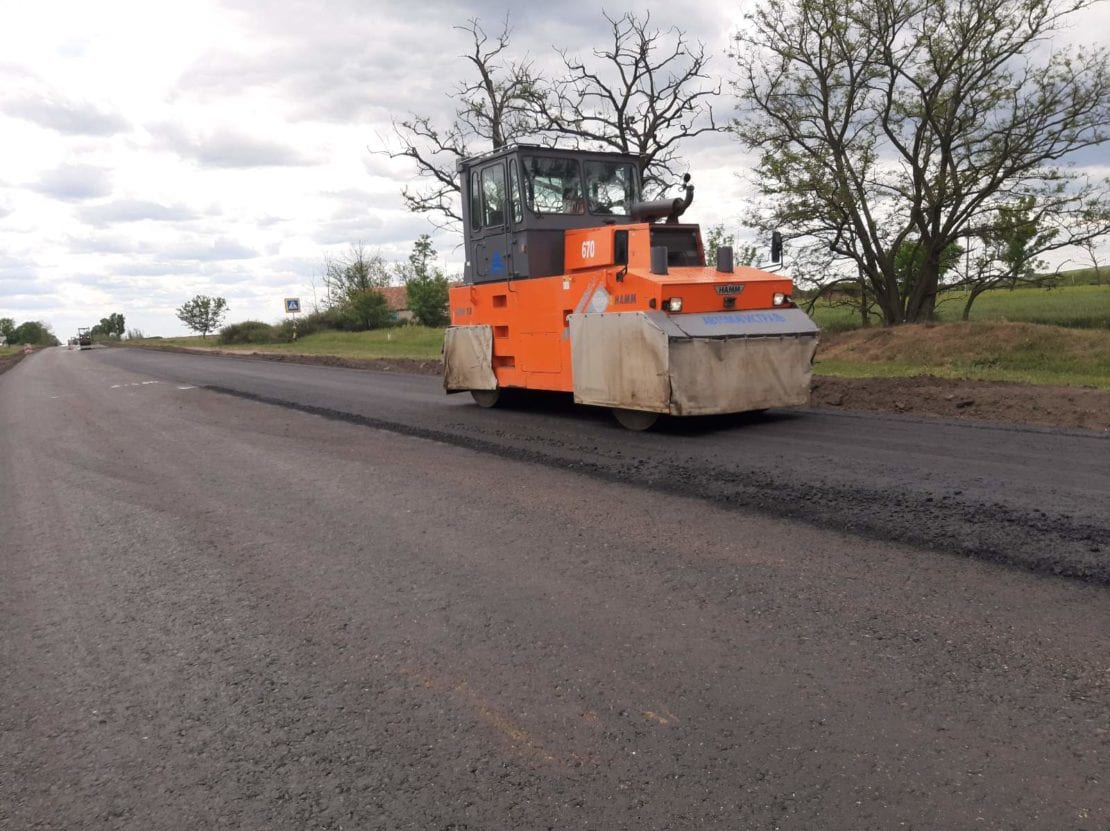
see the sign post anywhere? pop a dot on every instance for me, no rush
(293, 307)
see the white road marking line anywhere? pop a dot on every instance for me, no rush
(186, 388)
(133, 384)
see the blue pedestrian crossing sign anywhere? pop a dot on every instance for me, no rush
(292, 305)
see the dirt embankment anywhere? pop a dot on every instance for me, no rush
(8, 361)
(994, 401)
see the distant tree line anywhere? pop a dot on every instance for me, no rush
(33, 332)
(111, 326)
(353, 299)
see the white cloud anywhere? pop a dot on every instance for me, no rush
(135, 210)
(74, 182)
(224, 147)
(70, 117)
(158, 150)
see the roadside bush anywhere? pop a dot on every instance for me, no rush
(361, 311)
(337, 318)
(428, 300)
(370, 309)
(307, 325)
(249, 331)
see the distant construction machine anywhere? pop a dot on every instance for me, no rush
(574, 284)
(84, 338)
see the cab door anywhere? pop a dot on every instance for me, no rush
(490, 211)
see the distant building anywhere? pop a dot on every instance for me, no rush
(398, 299)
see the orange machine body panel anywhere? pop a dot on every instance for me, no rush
(529, 317)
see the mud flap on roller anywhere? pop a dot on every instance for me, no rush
(696, 364)
(468, 359)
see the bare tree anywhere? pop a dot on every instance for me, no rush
(356, 271)
(885, 122)
(492, 111)
(645, 93)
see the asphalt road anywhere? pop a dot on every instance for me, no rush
(340, 599)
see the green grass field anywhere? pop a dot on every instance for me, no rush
(417, 342)
(1082, 306)
(9, 350)
(1059, 336)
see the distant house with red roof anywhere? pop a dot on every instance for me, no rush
(398, 299)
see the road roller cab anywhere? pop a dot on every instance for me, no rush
(574, 283)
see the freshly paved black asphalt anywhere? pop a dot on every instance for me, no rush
(412, 613)
(1033, 497)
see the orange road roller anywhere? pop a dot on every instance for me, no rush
(572, 283)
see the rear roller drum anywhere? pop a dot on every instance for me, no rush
(637, 420)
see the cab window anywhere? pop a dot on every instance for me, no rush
(553, 186)
(493, 196)
(611, 187)
(514, 192)
(475, 201)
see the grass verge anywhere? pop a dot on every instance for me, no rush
(1022, 352)
(1080, 306)
(415, 342)
(983, 351)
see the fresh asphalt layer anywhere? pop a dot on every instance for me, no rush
(341, 599)
(1032, 497)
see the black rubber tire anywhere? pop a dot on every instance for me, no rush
(636, 420)
(486, 399)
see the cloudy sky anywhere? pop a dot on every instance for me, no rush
(157, 150)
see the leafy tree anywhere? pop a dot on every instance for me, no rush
(1008, 253)
(909, 262)
(717, 238)
(426, 285)
(112, 326)
(203, 313)
(34, 332)
(882, 122)
(116, 325)
(369, 309)
(7, 329)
